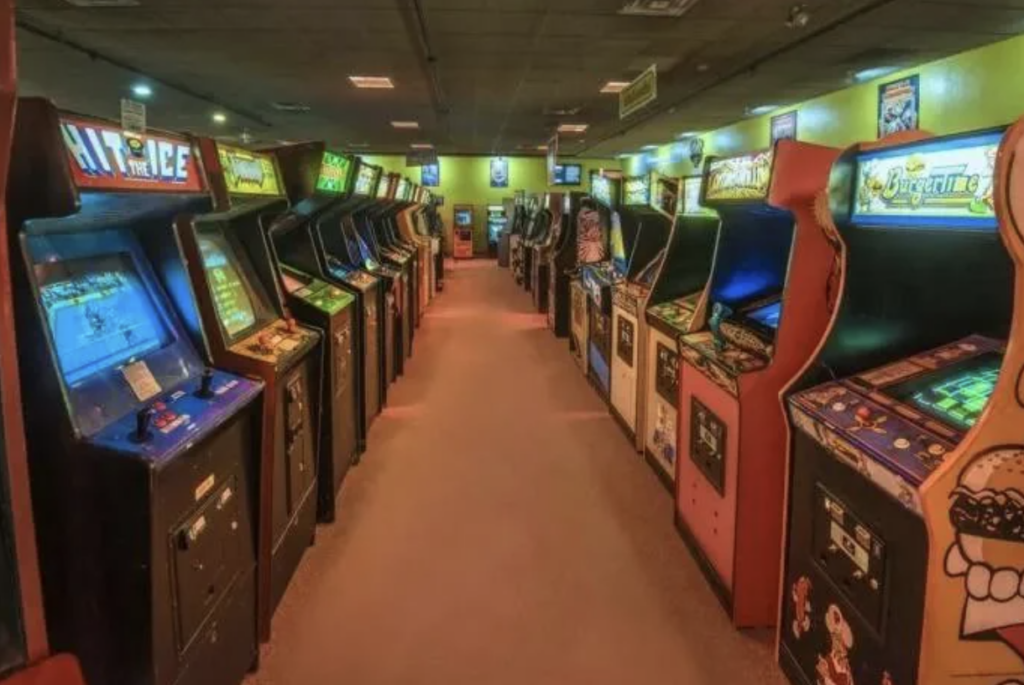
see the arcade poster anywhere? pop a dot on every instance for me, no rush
(430, 175)
(899, 106)
(499, 172)
(784, 127)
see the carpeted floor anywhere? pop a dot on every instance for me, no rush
(501, 531)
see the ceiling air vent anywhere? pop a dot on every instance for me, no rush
(104, 3)
(291, 107)
(657, 8)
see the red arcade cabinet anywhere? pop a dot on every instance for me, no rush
(762, 314)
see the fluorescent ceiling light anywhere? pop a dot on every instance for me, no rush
(142, 90)
(371, 81)
(219, 117)
(406, 124)
(762, 109)
(614, 86)
(572, 128)
(649, 147)
(421, 146)
(872, 73)
(688, 134)
(543, 148)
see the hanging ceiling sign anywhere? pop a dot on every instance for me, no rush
(105, 157)
(247, 172)
(739, 179)
(640, 93)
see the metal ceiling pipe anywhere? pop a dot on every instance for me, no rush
(29, 26)
(416, 22)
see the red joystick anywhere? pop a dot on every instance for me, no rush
(291, 325)
(264, 341)
(864, 413)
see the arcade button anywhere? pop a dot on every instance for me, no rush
(901, 443)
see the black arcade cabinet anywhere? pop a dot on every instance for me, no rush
(144, 460)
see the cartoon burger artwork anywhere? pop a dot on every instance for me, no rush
(987, 513)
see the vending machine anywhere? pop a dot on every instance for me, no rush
(463, 232)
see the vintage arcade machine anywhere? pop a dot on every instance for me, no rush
(761, 316)
(410, 226)
(904, 551)
(394, 248)
(231, 274)
(338, 263)
(462, 237)
(524, 233)
(496, 222)
(540, 227)
(669, 315)
(562, 265)
(650, 201)
(592, 252)
(517, 228)
(315, 179)
(143, 459)
(544, 250)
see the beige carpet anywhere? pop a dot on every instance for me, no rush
(501, 531)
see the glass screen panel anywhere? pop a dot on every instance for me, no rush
(955, 395)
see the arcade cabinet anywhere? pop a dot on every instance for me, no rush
(339, 262)
(410, 226)
(242, 321)
(394, 247)
(315, 179)
(543, 250)
(649, 202)
(762, 314)
(518, 228)
(496, 221)
(904, 552)
(463, 232)
(537, 231)
(143, 459)
(669, 314)
(562, 265)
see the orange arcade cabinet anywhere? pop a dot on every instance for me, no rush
(462, 243)
(905, 533)
(760, 317)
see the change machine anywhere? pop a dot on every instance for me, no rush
(677, 288)
(232, 276)
(651, 201)
(143, 459)
(905, 547)
(315, 179)
(761, 316)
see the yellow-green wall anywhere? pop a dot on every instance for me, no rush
(972, 90)
(467, 180)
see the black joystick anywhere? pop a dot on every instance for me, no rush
(205, 383)
(142, 421)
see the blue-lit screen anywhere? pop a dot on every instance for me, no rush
(768, 315)
(99, 312)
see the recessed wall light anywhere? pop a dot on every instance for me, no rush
(762, 109)
(614, 86)
(872, 73)
(406, 124)
(371, 81)
(421, 146)
(142, 90)
(219, 118)
(572, 128)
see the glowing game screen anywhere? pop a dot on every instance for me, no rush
(768, 315)
(99, 313)
(955, 395)
(620, 260)
(230, 291)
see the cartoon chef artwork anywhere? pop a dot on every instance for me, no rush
(801, 596)
(834, 668)
(987, 513)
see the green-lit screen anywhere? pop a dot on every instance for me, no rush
(230, 294)
(954, 395)
(334, 172)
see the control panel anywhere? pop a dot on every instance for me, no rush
(851, 555)
(707, 444)
(323, 296)
(277, 341)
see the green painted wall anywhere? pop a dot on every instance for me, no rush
(972, 90)
(467, 180)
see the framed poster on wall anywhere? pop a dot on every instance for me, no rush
(499, 172)
(899, 106)
(784, 127)
(430, 175)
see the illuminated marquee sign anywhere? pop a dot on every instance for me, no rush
(601, 189)
(690, 205)
(637, 190)
(741, 178)
(365, 180)
(334, 171)
(382, 188)
(248, 173)
(403, 189)
(940, 183)
(103, 157)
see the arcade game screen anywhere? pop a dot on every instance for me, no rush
(620, 260)
(230, 285)
(767, 315)
(463, 217)
(956, 394)
(99, 312)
